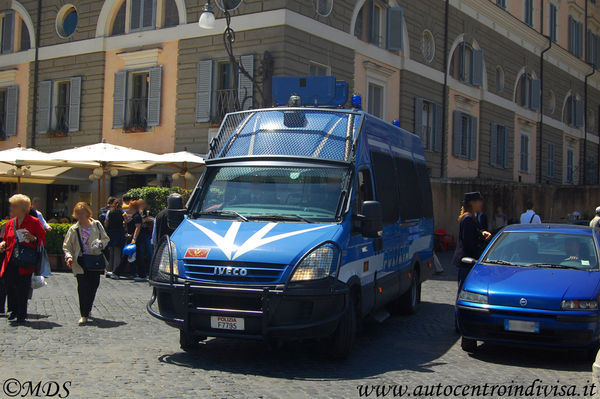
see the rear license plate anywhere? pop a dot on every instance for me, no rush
(522, 326)
(227, 323)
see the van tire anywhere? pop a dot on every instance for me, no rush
(188, 342)
(408, 302)
(468, 345)
(343, 338)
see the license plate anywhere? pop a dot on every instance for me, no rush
(522, 326)
(227, 323)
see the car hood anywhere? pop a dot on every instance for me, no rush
(268, 242)
(541, 288)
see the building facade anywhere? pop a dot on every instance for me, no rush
(502, 92)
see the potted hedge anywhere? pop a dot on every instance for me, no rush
(54, 242)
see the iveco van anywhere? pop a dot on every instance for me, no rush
(307, 220)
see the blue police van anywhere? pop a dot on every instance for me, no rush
(307, 219)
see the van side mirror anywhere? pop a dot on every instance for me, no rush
(468, 261)
(371, 218)
(176, 211)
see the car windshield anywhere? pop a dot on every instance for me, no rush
(547, 250)
(306, 194)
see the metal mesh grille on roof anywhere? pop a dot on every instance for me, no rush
(323, 134)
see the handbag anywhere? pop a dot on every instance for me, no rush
(90, 263)
(27, 257)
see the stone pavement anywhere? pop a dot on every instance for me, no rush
(128, 354)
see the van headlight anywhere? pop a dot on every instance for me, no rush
(321, 262)
(166, 255)
(474, 297)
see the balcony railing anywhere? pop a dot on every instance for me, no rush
(61, 113)
(138, 113)
(226, 101)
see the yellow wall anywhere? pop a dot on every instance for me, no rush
(389, 74)
(158, 139)
(461, 167)
(21, 80)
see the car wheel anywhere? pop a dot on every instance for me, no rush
(409, 301)
(189, 342)
(343, 338)
(468, 345)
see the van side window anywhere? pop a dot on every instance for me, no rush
(409, 190)
(364, 189)
(386, 185)
(425, 185)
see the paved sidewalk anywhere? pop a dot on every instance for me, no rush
(128, 354)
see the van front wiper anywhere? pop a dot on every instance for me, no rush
(283, 217)
(222, 213)
(554, 266)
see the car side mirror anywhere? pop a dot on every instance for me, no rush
(468, 261)
(176, 211)
(371, 218)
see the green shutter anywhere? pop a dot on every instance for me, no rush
(438, 128)
(11, 110)
(8, 30)
(505, 140)
(419, 118)
(494, 144)
(394, 34)
(536, 92)
(119, 99)
(473, 139)
(74, 104)
(44, 106)
(204, 83)
(477, 73)
(154, 96)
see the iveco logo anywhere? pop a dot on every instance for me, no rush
(230, 271)
(523, 302)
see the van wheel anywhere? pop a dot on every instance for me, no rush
(342, 339)
(468, 345)
(189, 342)
(409, 301)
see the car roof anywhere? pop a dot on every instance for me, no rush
(554, 228)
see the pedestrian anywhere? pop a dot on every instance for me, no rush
(83, 246)
(471, 238)
(36, 203)
(144, 241)
(482, 219)
(499, 221)
(125, 200)
(105, 209)
(2, 286)
(161, 223)
(529, 216)
(115, 228)
(595, 222)
(23, 234)
(134, 221)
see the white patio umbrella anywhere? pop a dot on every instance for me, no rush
(19, 165)
(184, 162)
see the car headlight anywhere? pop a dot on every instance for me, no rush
(579, 305)
(474, 297)
(161, 267)
(321, 262)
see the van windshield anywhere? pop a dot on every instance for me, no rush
(308, 194)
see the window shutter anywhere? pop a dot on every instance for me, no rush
(439, 128)
(477, 75)
(505, 140)
(245, 85)
(119, 99)
(135, 21)
(536, 91)
(44, 105)
(461, 60)
(395, 35)
(494, 161)
(154, 96)
(12, 106)
(578, 113)
(373, 36)
(419, 118)
(204, 82)
(456, 133)
(571, 34)
(473, 139)
(75, 104)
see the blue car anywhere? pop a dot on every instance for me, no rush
(534, 285)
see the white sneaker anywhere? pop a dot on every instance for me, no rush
(82, 321)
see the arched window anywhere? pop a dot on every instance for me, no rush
(573, 111)
(467, 64)
(14, 33)
(528, 92)
(145, 15)
(380, 24)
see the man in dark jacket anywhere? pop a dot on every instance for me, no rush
(161, 224)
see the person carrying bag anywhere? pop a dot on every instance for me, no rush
(83, 247)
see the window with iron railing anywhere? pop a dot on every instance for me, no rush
(61, 115)
(226, 101)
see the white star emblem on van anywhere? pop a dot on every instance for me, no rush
(227, 245)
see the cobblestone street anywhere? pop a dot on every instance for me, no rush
(126, 353)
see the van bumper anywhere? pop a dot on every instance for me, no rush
(309, 311)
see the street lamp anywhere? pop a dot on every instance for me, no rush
(207, 21)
